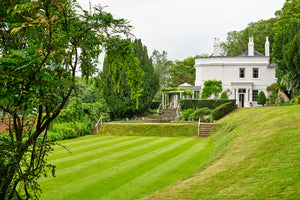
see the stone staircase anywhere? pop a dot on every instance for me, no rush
(205, 129)
(166, 116)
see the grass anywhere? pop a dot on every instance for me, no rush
(256, 155)
(165, 130)
(252, 154)
(121, 167)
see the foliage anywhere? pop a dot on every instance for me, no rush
(161, 66)
(155, 104)
(201, 103)
(261, 99)
(174, 89)
(211, 87)
(84, 112)
(120, 102)
(186, 115)
(296, 99)
(237, 41)
(68, 130)
(85, 90)
(223, 110)
(286, 48)
(182, 72)
(224, 95)
(273, 87)
(43, 44)
(202, 113)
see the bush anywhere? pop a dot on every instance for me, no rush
(296, 100)
(155, 104)
(224, 95)
(187, 114)
(68, 130)
(261, 98)
(84, 112)
(201, 103)
(223, 110)
(201, 113)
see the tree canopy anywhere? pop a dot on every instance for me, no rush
(43, 44)
(120, 102)
(237, 41)
(182, 72)
(286, 48)
(161, 66)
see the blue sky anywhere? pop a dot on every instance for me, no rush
(187, 28)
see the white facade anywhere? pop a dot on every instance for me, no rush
(243, 77)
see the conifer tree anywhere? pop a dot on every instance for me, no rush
(261, 99)
(120, 102)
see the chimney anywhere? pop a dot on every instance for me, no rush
(217, 47)
(267, 47)
(251, 47)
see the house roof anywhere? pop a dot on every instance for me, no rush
(256, 53)
(273, 65)
(185, 85)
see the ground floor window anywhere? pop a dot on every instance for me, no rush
(254, 95)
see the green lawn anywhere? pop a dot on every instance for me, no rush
(256, 155)
(121, 167)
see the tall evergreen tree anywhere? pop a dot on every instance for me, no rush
(120, 102)
(286, 48)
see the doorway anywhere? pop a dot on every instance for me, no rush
(242, 93)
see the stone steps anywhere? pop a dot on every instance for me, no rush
(166, 116)
(205, 129)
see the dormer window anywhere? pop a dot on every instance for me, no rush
(255, 72)
(242, 72)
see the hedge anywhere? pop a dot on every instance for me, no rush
(223, 110)
(201, 103)
(155, 104)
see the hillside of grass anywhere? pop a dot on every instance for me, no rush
(256, 155)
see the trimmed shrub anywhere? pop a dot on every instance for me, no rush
(261, 98)
(223, 110)
(201, 103)
(201, 113)
(224, 95)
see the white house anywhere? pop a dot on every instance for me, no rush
(243, 76)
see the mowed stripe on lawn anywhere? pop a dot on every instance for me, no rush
(127, 167)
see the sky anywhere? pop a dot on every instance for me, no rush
(185, 28)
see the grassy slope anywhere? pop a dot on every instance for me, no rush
(256, 156)
(121, 167)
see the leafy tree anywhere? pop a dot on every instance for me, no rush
(211, 87)
(224, 95)
(84, 90)
(161, 66)
(237, 41)
(120, 102)
(181, 72)
(43, 43)
(261, 99)
(286, 48)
